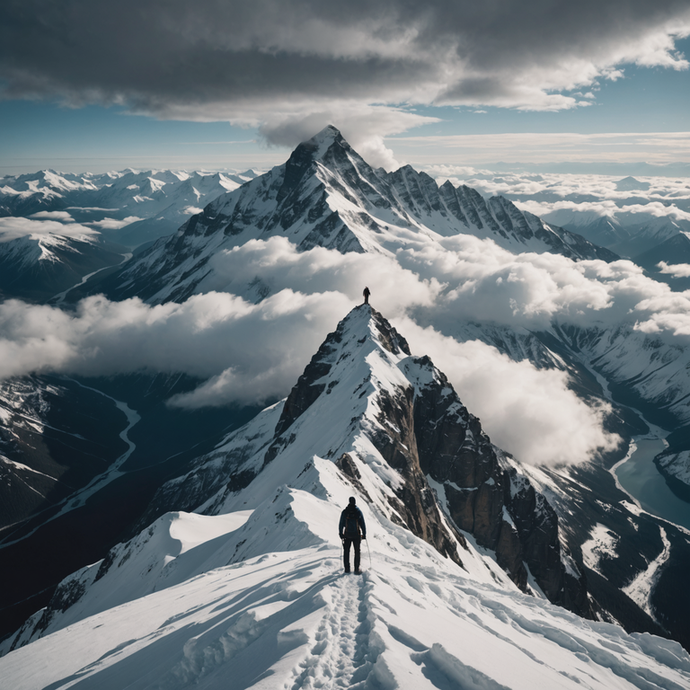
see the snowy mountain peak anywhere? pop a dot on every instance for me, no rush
(321, 142)
(629, 184)
(366, 325)
(327, 195)
(325, 147)
(347, 355)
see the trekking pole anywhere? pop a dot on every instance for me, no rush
(368, 552)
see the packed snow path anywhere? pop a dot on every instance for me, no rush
(341, 656)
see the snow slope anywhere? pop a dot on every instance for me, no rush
(290, 619)
(248, 591)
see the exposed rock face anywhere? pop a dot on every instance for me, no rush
(67, 593)
(487, 497)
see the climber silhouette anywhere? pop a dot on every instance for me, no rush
(366, 295)
(352, 530)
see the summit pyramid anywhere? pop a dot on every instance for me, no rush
(327, 195)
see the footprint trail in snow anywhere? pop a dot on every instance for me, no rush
(341, 656)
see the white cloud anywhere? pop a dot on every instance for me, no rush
(281, 266)
(262, 348)
(676, 270)
(115, 224)
(529, 412)
(12, 227)
(61, 216)
(459, 280)
(608, 208)
(543, 147)
(250, 353)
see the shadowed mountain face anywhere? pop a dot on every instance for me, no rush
(675, 250)
(36, 269)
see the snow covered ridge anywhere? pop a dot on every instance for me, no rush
(393, 425)
(628, 216)
(326, 195)
(248, 591)
(130, 206)
(363, 396)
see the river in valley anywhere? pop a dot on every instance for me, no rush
(639, 477)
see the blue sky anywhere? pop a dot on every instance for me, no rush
(84, 105)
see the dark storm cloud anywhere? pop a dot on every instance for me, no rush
(155, 51)
(269, 61)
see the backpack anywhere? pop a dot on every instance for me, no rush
(352, 523)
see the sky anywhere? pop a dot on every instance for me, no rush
(96, 86)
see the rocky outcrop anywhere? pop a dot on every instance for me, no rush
(480, 490)
(487, 496)
(455, 480)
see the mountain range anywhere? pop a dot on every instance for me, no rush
(129, 207)
(218, 526)
(327, 196)
(627, 234)
(95, 221)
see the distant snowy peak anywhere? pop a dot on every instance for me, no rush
(326, 195)
(38, 267)
(27, 250)
(628, 184)
(399, 434)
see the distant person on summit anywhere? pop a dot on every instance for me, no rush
(366, 295)
(352, 530)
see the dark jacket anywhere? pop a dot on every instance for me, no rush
(352, 523)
